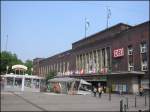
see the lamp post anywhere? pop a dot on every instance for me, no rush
(31, 71)
(7, 69)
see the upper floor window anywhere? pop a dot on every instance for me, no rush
(143, 47)
(144, 59)
(130, 50)
(130, 58)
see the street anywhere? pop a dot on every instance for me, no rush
(27, 101)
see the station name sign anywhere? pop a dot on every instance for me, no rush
(118, 52)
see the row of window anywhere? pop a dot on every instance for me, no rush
(93, 61)
(96, 60)
(143, 57)
(58, 67)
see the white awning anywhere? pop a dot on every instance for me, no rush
(16, 67)
(85, 82)
(65, 79)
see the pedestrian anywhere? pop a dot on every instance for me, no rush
(104, 89)
(141, 91)
(94, 91)
(100, 91)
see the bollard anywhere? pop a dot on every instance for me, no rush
(135, 101)
(145, 101)
(121, 104)
(127, 102)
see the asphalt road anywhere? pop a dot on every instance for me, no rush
(28, 101)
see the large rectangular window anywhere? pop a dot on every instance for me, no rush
(108, 58)
(130, 58)
(144, 60)
(103, 58)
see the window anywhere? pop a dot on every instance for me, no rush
(130, 58)
(143, 47)
(130, 50)
(143, 51)
(103, 57)
(108, 57)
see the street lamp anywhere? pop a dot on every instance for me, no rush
(7, 69)
(31, 71)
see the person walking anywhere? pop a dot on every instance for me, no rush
(100, 91)
(94, 91)
(141, 91)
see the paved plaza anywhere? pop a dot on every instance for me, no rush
(27, 101)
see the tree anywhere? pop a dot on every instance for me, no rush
(8, 59)
(29, 64)
(50, 75)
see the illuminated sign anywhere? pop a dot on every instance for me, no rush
(118, 52)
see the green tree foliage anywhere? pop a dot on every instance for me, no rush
(29, 64)
(8, 59)
(50, 75)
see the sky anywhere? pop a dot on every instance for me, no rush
(43, 29)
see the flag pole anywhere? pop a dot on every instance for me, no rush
(107, 18)
(85, 27)
(108, 14)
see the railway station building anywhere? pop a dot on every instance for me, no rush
(116, 57)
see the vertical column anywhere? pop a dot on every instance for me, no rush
(31, 83)
(22, 85)
(81, 62)
(97, 65)
(63, 67)
(76, 62)
(67, 66)
(101, 59)
(80, 65)
(90, 60)
(85, 63)
(13, 81)
(83, 57)
(57, 67)
(60, 67)
(93, 60)
(39, 83)
(106, 58)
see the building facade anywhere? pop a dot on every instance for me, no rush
(116, 57)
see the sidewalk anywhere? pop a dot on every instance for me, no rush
(28, 101)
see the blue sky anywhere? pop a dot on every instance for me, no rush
(43, 29)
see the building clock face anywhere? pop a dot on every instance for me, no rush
(118, 52)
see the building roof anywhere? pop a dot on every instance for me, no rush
(100, 32)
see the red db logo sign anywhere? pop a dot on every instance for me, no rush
(118, 52)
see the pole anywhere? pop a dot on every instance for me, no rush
(127, 101)
(85, 27)
(108, 14)
(6, 42)
(145, 101)
(109, 94)
(107, 18)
